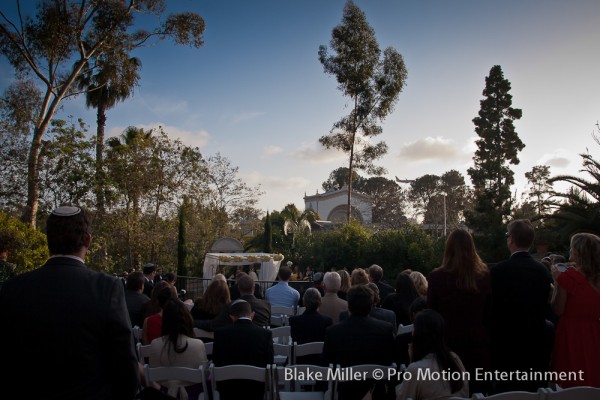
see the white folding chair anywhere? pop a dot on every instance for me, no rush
(282, 353)
(249, 372)
(365, 371)
(301, 376)
(573, 393)
(289, 311)
(518, 395)
(306, 349)
(143, 351)
(137, 333)
(201, 333)
(300, 310)
(282, 334)
(402, 329)
(209, 348)
(175, 378)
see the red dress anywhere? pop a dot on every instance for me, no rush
(577, 343)
(154, 327)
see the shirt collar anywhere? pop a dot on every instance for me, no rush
(68, 256)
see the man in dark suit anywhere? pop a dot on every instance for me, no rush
(359, 340)
(376, 276)
(69, 318)
(261, 308)
(521, 288)
(242, 343)
(135, 298)
(149, 274)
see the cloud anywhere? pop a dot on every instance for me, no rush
(317, 154)
(432, 149)
(276, 183)
(271, 150)
(559, 158)
(199, 138)
(558, 162)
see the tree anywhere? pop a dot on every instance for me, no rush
(338, 178)
(110, 81)
(56, 46)
(389, 201)
(540, 188)
(17, 115)
(372, 83)
(182, 238)
(579, 210)
(268, 235)
(497, 148)
(297, 224)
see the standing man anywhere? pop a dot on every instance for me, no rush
(521, 288)
(72, 319)
(149, 274)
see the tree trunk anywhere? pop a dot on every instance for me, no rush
(100, 181)
(33, 170)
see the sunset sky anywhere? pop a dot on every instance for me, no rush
(257, 94)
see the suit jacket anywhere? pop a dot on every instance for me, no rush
(135, 302)
(309, 327)
(148, 286)
(520, 293)
(332, 306)
(384, 290)
(381, 314)
(261, 308)
(75, 321)
(358, 340)
(242, 343)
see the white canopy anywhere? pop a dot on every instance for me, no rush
(269, 263)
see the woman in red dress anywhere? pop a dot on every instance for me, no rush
(577, 303)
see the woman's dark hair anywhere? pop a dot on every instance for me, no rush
(176, 320)
(461, 259)
(428, 337)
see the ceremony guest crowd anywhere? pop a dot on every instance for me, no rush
(516, 325)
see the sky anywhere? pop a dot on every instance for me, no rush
(256, 93)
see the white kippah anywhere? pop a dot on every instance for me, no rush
(66, 211)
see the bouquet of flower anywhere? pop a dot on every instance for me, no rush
(238, 258)
(265, 258)
(252, 259)
(224, 258)
(278, 257)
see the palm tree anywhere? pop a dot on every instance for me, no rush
(110, 80)
(296, 222)
(580, 212)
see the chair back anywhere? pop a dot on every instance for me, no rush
(402, 329)
(282, 334)
(209, 348)
(179, 376)
(572, 393)
(201, 333)
(249, 372)
(301, 376)
(137, 334)
(289, 311)
(282, 353)
(305, 349)
(143, 351)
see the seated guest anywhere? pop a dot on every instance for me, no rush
(403, 340)
(152, 326)
(282, 294)
(378, 313)
(429, 352)
(359, 340)
(400, 301)
(211, 311)
(359, 277)
(345, 283)
(135, 297)
(261, 308)
(235, 291)
(310, 326)
(376, 276)
(177, 346)
(152, 307)
(242, 343)
(317, 283)
(420, 282)
(331, 304)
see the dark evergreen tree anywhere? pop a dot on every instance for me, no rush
(497, 148)
(268, 235)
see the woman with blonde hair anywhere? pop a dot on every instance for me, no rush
(420, 282)
(460, 290)
(577, 303)
(342, 293)
(359, 277)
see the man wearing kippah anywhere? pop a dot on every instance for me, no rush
(70, 319)
(242, 343)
